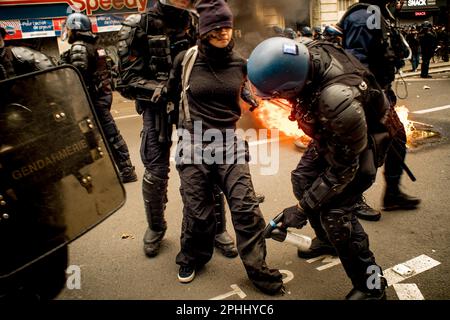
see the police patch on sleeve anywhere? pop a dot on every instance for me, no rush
(290, 48)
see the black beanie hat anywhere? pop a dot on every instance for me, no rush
(213, 14)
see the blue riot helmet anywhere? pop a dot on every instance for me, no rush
(277, 31)
(289, 33)
(332, 33)
(78, 22)
(306, 31)
(75, 22)
(278, 68)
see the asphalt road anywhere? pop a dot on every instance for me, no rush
(114, 267)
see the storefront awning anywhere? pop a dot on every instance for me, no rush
(40, 28)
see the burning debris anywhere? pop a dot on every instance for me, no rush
(417, 133)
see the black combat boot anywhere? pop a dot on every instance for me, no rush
(223, 240)
(154, 191)
(366, 294)
(365, 212)
(394, 199)
(318, 248)
(128, 174)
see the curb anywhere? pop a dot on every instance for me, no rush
(417, 73)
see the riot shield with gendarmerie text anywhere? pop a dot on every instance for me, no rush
(57, 178)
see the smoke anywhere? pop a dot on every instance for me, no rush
(294, 11)
(254, 19)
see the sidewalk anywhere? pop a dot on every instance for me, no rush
(435, 67)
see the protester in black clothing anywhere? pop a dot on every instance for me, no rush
(148, 44)
(210, 105)
(427, 46)
(413, 42)
(442, 40)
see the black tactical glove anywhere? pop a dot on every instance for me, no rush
(294, 217)
(159, 95)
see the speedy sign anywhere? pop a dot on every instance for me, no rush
(93, 5)
(89, 6)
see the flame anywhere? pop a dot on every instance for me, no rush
(417, 133)
(402, 113)
(274, 114)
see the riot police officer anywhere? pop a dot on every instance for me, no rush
(381, 49)
(332, 34)
(338, 103)
(91, 61)
(148, 44)
(307, 32)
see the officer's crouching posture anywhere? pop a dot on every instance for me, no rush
(337, 103)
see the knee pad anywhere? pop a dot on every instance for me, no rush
(338, 226)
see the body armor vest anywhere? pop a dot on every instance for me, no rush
(164, 44)
(332, 65)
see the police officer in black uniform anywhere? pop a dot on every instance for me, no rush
(91, 61)
(44, 279)
(148, 44)
(338, 103)
(381, 49)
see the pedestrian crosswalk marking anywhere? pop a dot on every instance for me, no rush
(418, 265)
(408, 291)
(236, 291)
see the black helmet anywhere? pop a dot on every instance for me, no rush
(175, 7)
(279, 67)
(78, 22)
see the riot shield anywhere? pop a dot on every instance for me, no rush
(57, 178)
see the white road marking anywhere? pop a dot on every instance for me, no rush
(432, 109)
(418, 265)
(236, 291)
(128, 116)
(330, 261)
(289, 275)
(408, 291)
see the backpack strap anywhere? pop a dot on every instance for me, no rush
(187, 65)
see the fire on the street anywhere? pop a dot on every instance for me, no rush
(417, 133)
(274, 114)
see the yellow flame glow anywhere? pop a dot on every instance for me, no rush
(274, 115)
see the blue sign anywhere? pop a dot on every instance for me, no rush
(36, 25)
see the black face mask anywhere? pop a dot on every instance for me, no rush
(213, 53)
